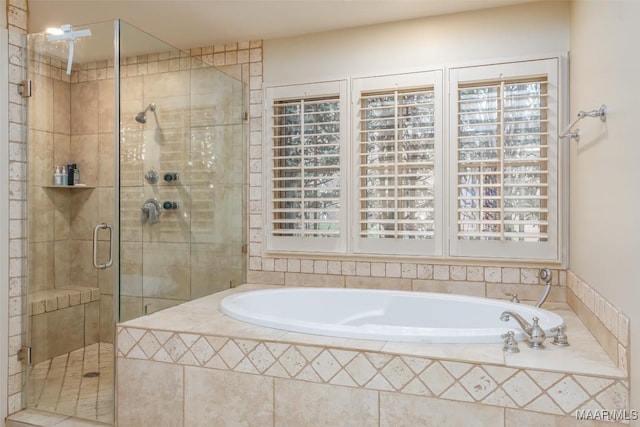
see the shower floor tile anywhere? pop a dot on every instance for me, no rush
(78, 384)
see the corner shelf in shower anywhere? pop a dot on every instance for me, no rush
(71, 187)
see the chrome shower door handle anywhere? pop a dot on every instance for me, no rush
(96, 230)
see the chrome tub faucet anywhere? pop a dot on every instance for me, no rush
(535, 334)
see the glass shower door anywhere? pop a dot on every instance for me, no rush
(70, 319)
(181, 180)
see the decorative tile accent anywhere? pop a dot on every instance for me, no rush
(478, 383)
(437, 379)
(568, 394)
(528, 389)
(521, 388)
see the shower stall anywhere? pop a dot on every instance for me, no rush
(154, 142)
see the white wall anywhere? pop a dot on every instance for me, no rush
(533, 28)
(605, 169)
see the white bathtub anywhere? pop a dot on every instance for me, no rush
(383, 315)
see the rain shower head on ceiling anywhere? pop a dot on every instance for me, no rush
(142, 116)
(66, 33)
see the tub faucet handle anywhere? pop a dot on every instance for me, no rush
(510, 343)
(559, 337)
(514, 297)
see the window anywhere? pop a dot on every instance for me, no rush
(374, 170)
(397, 139)
(306, 195)
(504, 160)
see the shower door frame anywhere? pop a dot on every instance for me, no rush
(115, 236)
(4, 217)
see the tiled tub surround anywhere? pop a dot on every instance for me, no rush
(605, 322)
(184, 365)
(473, 280)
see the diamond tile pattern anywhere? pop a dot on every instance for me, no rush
(533, 390)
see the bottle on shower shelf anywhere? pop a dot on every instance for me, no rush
(76, 174)
(70, 177)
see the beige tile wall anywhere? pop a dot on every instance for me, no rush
(18, 249)
(608, 325)
(485, 281)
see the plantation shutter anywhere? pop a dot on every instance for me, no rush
(397, 133)
(505, 155)
(306, 168)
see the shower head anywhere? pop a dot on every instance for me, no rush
(142, 116)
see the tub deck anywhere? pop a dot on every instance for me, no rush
(203, 317)
(557, 380)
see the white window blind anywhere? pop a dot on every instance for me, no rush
(505, 172)
(363, 171)
(306, 170)
(398, 145)
(306, 167)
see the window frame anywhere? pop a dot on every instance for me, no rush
(301, 243)
(445, 247)
(500, 249)
(386, 246)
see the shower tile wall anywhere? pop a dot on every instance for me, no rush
(195, 131)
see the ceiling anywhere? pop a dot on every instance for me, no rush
(187, 23)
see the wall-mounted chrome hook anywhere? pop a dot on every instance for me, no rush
(600, 112)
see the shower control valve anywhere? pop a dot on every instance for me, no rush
(152, 176)
(171, 176)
